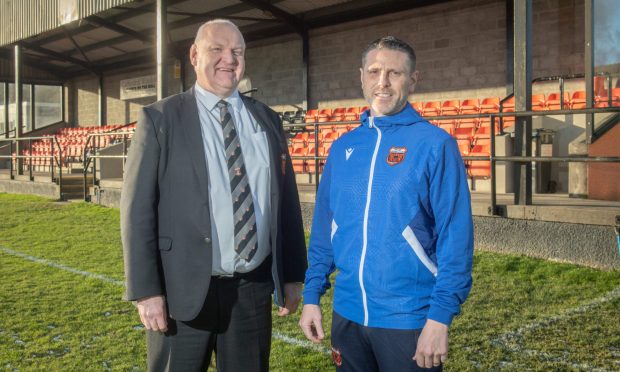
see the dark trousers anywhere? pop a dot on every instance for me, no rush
(235, 322)
(356, 348)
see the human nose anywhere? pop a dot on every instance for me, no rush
(384, 80)
(228, 56)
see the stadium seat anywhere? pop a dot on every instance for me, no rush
(352, 114)
(299, 165)
(311, 116)
(450, 107)
(431, 108)
(338, 114)
(578, 100)
(603, 100)
(553, 101)
(489, 105)
(470, 106)
(418, 106)
(324, 115)
(479, 168)
(538, 102)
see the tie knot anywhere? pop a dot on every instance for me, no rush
(222, 104)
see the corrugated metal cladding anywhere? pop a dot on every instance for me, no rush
(21, 19)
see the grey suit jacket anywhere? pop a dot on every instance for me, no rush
(165, 222)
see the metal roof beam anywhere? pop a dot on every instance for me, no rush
(293, 21)
(60, 56)
(98, 21)
(75, 44)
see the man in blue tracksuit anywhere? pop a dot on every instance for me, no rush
(393, 216)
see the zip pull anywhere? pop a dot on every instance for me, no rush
(371, 121)
(283, 157)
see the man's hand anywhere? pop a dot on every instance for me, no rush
(153, 313)
(432, 345)
(292, 296)
(311, 323)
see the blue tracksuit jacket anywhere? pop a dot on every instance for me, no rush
(393, 215)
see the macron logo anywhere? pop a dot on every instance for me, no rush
(349, 152)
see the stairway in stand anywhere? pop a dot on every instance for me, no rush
(73, 184)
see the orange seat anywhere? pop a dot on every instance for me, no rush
(299, 165)
(311, 116)
(338, 114)
(603, 99)
(431, 108)
(538, 102)
(578, 100)
(489, 105)
(352, 114)
(470, 106)
(418, 106)
(450, 107)
(324, 115)
(553, 101)
(479, 168)
(464, 145)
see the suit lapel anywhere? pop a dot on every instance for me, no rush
(190, 121)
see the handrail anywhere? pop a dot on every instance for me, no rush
(53, 159)
(88, 158)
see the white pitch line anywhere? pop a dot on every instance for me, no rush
(513, 341)
(42, 261)
(61, 266)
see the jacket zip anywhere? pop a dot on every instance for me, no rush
(366, 210)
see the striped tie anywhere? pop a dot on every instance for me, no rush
(246, 240)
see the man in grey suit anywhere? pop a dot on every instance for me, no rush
(210, 218)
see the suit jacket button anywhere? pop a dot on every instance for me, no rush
(208, 240)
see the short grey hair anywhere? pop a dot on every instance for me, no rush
(391, 43)
(200, 32)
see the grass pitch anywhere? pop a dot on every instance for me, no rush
(61, 308)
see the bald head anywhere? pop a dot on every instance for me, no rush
(218, 57)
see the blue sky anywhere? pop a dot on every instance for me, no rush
(606, 32)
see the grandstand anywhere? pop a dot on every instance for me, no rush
(529, 89)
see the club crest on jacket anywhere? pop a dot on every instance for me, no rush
(396, 155)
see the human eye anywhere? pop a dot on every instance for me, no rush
(238, 52)
(215, 49)
(373, 71)
(396, 73)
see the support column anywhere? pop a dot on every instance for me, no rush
(305, 40)
(19, 115)
(101, 118)
(523, 98)
(32, 111)
(162, 68)
(6, 110)
(589, 66)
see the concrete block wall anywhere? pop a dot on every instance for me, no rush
(276, 69)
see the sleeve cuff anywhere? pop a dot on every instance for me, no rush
(440, 315)
(311, 298)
